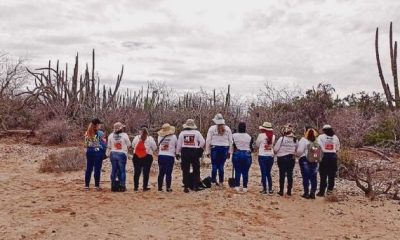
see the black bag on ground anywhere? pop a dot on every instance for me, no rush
(116, 186)
(231, 180)
(206, 182)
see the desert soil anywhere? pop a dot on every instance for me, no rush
(37, 205)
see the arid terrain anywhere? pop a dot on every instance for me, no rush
(36, 205)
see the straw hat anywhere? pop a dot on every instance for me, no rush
(166, 130)
(219, 119)
(190, 124)
(326, 126)
(118, 126)
(266, 126)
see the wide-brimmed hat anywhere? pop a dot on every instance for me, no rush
(327, 126)
(218, 119)
(266, 126)
(166, 130)
(190, 124)
(118, 126)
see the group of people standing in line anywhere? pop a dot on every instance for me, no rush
(316, 153)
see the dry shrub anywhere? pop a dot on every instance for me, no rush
(67, 160)
(335, 197)
(56, 131)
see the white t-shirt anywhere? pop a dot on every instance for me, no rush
(329, 144)
(149, 144)
(265, 149)
(214, 139)
(242, 141)
(302, 147)
(118, 142)
(285, 146)
(168, 145)
(189, 139)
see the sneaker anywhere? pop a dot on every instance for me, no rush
(271, 192)
(289, 193)
(312, 196)
(263, 191)
(123, 189)
(186, 190)
(245, 190)
(160, 189)
(146, 189)
(136, 189)
(237, 189)
(169, 190)
(329, 192)
(86, 188)
(280, 193)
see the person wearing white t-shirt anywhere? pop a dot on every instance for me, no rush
(241, 158)
(265, 143)
(309, 170)
(167, 142)
(285, 149)
(218, 147)
(118, 144)
(190, 146)
(328, 167)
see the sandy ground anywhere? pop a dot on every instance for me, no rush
(34, 205)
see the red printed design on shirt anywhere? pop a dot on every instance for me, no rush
(329, 146)
(267, 147)
(188, 140)
(164, 147)
(118, 146)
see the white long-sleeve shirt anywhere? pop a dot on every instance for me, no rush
(189, 139)
(118, 142)
(265, 149)
(168, 145)
(149, 144)
(214, 139)
(242, 141)
(285, 146)
(329, 144)
(302, 147)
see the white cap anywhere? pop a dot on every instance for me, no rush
(326, 126)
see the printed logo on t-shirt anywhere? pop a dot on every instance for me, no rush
(165, 145)
(329, 144)
(188, 140)
(118, 145)
(267, 147)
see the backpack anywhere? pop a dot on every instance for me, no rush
(140, 149)
(314, 152)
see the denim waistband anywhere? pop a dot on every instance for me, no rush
(242, 151)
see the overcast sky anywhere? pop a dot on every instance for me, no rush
(208, 43)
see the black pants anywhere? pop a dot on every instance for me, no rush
(190, 158)
(286, 166)
(327, 172)
(140, 164)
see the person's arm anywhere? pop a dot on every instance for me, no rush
(337, 143)
(134, 143)
(251, 144)
(110, 139)
(127, 140)
(230, 139)
(258, 141)
(278, 145)
(153, 144)
(202, 142)
(179, 144)
(208, 140)
(301, 148)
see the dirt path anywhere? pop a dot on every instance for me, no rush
(54, 206)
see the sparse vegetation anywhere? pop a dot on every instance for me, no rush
(72, 159)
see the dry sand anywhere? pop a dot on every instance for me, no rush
(34, 205)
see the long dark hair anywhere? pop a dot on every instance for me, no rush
(310, 135)
(242, 127)
(329, 132)
(270, 135)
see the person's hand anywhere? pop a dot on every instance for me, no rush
(178, 157)
(228, 156)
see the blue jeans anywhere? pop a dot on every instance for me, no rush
(94, 160)
(166, 165)
(241, 161)
(309, 173)
(118, 165)
(266, 163)
(218, 158)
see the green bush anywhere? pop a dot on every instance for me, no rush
(383, 132)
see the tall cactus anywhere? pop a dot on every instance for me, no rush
(393, 101)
